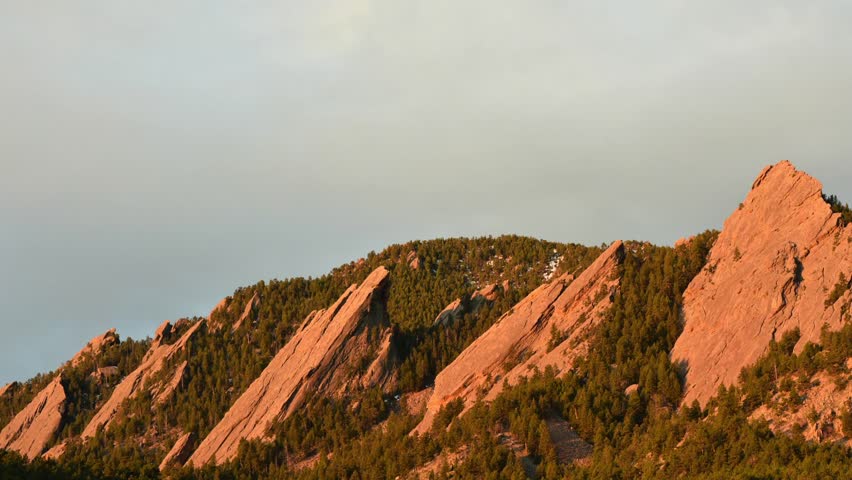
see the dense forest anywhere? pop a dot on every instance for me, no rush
(622, 399)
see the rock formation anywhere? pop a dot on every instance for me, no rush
(154, 362)
(32, 429)
(823, 401)
(8, 388)
(34, 426)
(772, 269)
(95, 347)
(323, 357)
(180, 451)
(457, 308)
(250, 306)
(522, 339)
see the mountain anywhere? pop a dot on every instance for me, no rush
(728, 355)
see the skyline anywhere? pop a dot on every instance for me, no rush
(153, 159)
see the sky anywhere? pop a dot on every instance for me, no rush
(156, 155)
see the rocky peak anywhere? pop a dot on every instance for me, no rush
(523, 338)
(321, 358)
(771, 270)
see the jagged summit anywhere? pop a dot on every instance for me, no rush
(771, 270)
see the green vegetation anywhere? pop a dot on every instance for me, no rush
(839, 207)
(841, 287)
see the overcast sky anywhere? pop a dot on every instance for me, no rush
(156, 155)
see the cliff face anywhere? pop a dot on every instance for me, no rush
(771, 270)
(154, 362)
(33, 427)
(323, 357)
(523, 339)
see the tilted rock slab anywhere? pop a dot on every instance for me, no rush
(455, 309)
(771, 269)
(34, 426)
(8, 388)
(321, 358)
(180, 451)
(250, 306)
(518, 341)
(155, 361)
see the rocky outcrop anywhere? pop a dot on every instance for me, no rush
(413, 260)
(818, 416)
(56, 451)
(95, 347)
(325, 356)
(153, 363)
(163, 392)
(477, 299)
(8, 388)
(772, 269)
(34, 426)
(550, 326)
(249, 308)
(180, 451)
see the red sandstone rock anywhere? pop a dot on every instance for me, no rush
(824, 399)
(250, 306)
(519, 341)
(155, 360)
(56, 451)
(8, 388)
(34, 426)
(770, 271)
(413, 260)
(180, 451)
(455, 309)
(164, 392)
(319, 358)
(95, 347)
